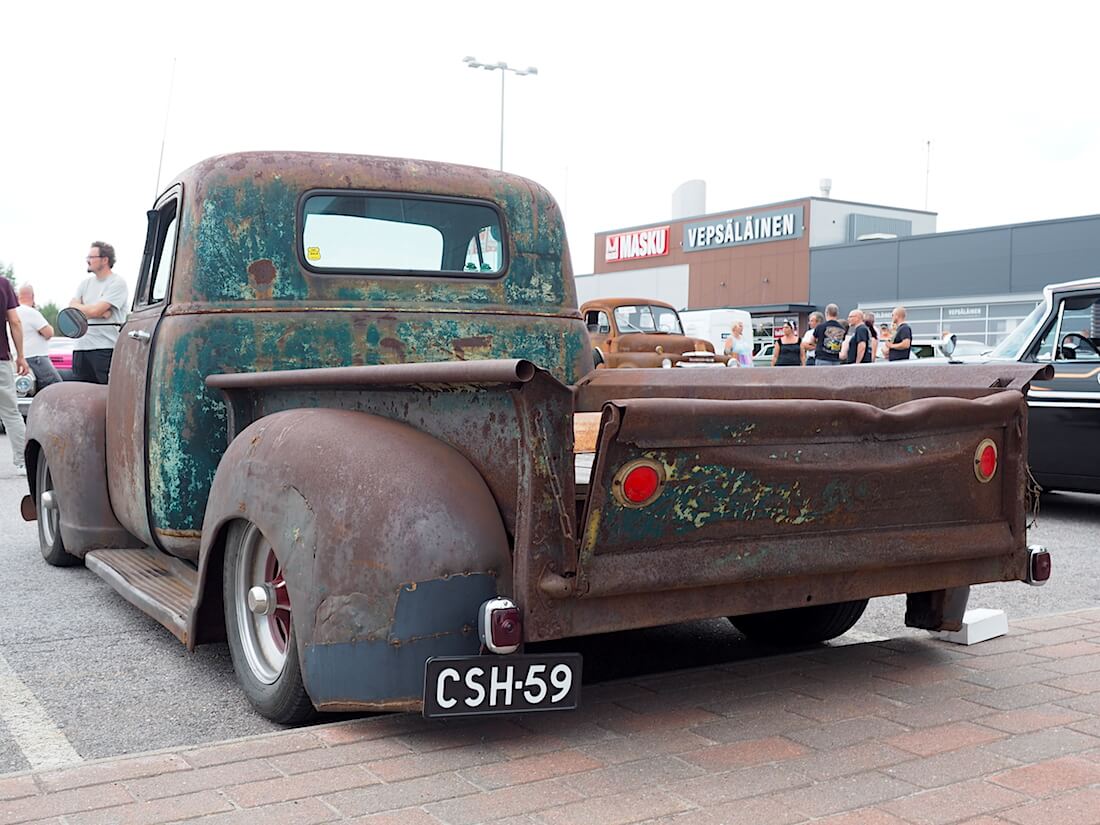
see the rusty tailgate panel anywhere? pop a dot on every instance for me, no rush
(790, 489)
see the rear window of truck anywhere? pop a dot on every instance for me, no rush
(397, 234)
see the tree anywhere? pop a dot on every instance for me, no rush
(49, 312)
(8, 271)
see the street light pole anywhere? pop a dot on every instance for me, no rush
(503, 68)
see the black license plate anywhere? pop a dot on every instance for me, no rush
(481, 685)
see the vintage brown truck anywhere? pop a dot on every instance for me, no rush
(341, 432)
(631, 333)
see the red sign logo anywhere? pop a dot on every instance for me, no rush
(641, 243)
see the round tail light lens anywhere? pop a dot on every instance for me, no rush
(985, 461)
(638, 483)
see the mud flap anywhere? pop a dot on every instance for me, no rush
(937, 609)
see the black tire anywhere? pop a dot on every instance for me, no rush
(49, 518)
(597, 357)
(801, 625)
(274, 688)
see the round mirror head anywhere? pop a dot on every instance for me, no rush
(947, 345)
(72, 323)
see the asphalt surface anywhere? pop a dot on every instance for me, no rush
(113, 681)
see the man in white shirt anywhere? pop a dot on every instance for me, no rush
(36, 333)
(103, 299)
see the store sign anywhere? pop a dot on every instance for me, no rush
(775, 225)
(963, 312)
(641, 243)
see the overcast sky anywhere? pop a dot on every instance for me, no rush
(759, 99)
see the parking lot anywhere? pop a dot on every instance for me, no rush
(102, 679)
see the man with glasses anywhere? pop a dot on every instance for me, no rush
(102, 298)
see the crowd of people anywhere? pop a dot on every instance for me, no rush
(829, 341)
(102, 297)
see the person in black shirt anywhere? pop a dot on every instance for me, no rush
(869, 321)
(828, 338)
(859, 348)
(788, 353)
(898, 349)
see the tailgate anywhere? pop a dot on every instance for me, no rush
(764, 489)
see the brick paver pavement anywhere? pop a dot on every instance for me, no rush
(912, 731)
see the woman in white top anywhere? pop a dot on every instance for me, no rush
(738, 348)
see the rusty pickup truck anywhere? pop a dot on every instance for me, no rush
(343, 431)
(630, 333)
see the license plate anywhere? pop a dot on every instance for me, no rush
(482, 685)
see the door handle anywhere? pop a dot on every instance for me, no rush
(139, 335)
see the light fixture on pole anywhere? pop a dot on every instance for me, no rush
(504, 69)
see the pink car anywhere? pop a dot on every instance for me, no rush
(61, 356)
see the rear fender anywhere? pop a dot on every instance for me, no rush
(390, 540)
(68, 425)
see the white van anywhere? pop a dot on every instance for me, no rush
(714, 325)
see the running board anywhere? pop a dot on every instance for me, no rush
(155, 583)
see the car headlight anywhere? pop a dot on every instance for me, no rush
(24, 385)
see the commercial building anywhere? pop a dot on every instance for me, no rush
(783, 260)
(977, 283)
(756, 258)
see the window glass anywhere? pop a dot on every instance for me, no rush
(923, 314)
(597, 322)
(1010, 346)
(163, 253)
(401, 234)
(925, 329)
(1010, 310)
(647, 318)
(1078, 334)
(964, 328)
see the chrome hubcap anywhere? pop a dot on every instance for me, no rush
(263, 607)
(49, 514)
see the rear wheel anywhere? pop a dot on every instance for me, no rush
(49, 518)
(801, 625)
(260, 627)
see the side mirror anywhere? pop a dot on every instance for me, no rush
(72, 323)
(947, 345)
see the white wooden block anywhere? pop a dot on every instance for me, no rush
(978, 625)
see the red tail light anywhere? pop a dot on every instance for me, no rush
(638, 483)
(506, 627)
(985, 460)
(500, 625)
(1038, 565)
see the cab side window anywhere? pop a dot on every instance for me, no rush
(160, 254)
(597, 322)
(1079, 335)
(1075, 334)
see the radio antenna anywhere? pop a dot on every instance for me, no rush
(927, 170)
(164, 134)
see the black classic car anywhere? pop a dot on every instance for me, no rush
(1064, 412)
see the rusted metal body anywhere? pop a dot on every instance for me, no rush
(621, 349)
(404, 443)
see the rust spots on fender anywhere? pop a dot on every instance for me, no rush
(261, 274)
(262, 271)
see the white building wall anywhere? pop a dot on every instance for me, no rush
(829, 220)
(665, 283)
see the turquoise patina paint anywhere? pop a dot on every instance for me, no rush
(187, 433)
(237, 273)
(698, 494)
